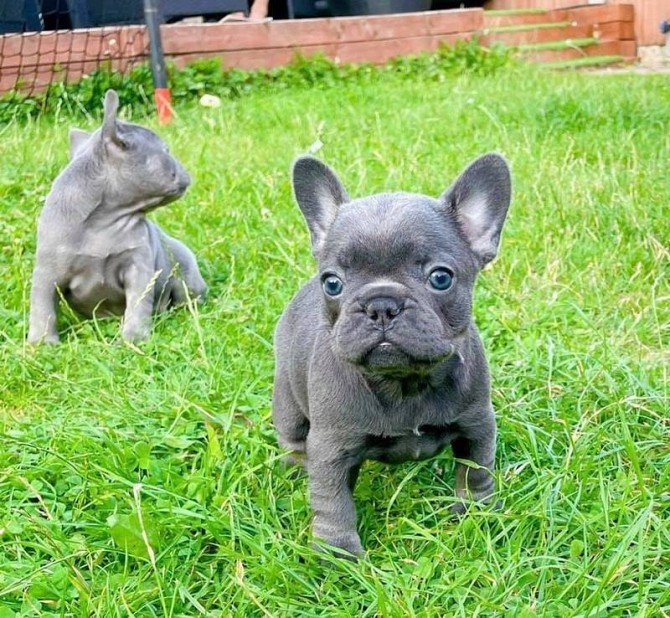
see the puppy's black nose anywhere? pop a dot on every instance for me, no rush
(383, 309)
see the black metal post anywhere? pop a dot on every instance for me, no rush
(161, 90)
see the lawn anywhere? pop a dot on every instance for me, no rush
(107, 449)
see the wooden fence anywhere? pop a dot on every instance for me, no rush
(31, 61)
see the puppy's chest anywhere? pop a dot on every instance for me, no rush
(96, 269)
(96, 283)
(413, 429)
(425, 441)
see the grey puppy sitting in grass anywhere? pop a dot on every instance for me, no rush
(95, 247)
(378, 356)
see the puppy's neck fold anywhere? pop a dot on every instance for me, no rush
(391, 389)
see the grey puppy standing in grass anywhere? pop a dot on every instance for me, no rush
(95, 246)
(378, 356)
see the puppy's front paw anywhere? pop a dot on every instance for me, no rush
(48, 339)
(328, 550)
(136, 335)
(341, 544)
(458, 509)
(461, 508)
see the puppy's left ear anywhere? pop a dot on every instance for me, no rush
(319, 194)
(479, 200)
(78, 139)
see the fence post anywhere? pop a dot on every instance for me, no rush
(161, 90)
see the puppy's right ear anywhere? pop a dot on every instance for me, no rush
(479, 200)
(77, 140)
(110, 129)
(319, 194)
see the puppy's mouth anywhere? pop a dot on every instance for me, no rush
(164, 200)
(389, 359)
(177, 192)
(182, 186)
(385, 354)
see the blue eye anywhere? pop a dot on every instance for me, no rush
(441, 279)
(332, 285)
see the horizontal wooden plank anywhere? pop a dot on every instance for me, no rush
(542, 36)
(193, 38)
(523, 19)
(615, 31)
(455, 21)
(357, 52)
(628, 49)
(602, 13)
(532, 5)
(34, 79)
(269, 58)
(606, 48)
(379, 52)
(584, 14)
(385, 27)
(608, 31)
(8, 80)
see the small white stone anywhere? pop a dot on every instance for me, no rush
(210, 100)
(315, 147)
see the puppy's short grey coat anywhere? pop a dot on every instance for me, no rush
(95, 246)
(378, 357)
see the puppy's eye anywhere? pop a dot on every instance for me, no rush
(441, 279)
(332, 285)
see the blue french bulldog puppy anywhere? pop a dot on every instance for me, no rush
(378, 356)
(95, 246)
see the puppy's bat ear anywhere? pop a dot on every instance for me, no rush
(78, 139)
(478, 201)
(319, 194)
(110, 129)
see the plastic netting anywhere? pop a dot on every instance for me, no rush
(46, 41)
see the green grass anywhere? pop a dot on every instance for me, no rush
(586, 62)
(107, 447)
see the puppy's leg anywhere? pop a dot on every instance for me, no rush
(332, 475)
(353, 476)
(477, 443)
(139, 283)
(291, 424)
(187, 271)
(43, 307)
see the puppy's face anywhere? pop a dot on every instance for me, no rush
(397, 283)
(137, 164)
(398, 270)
